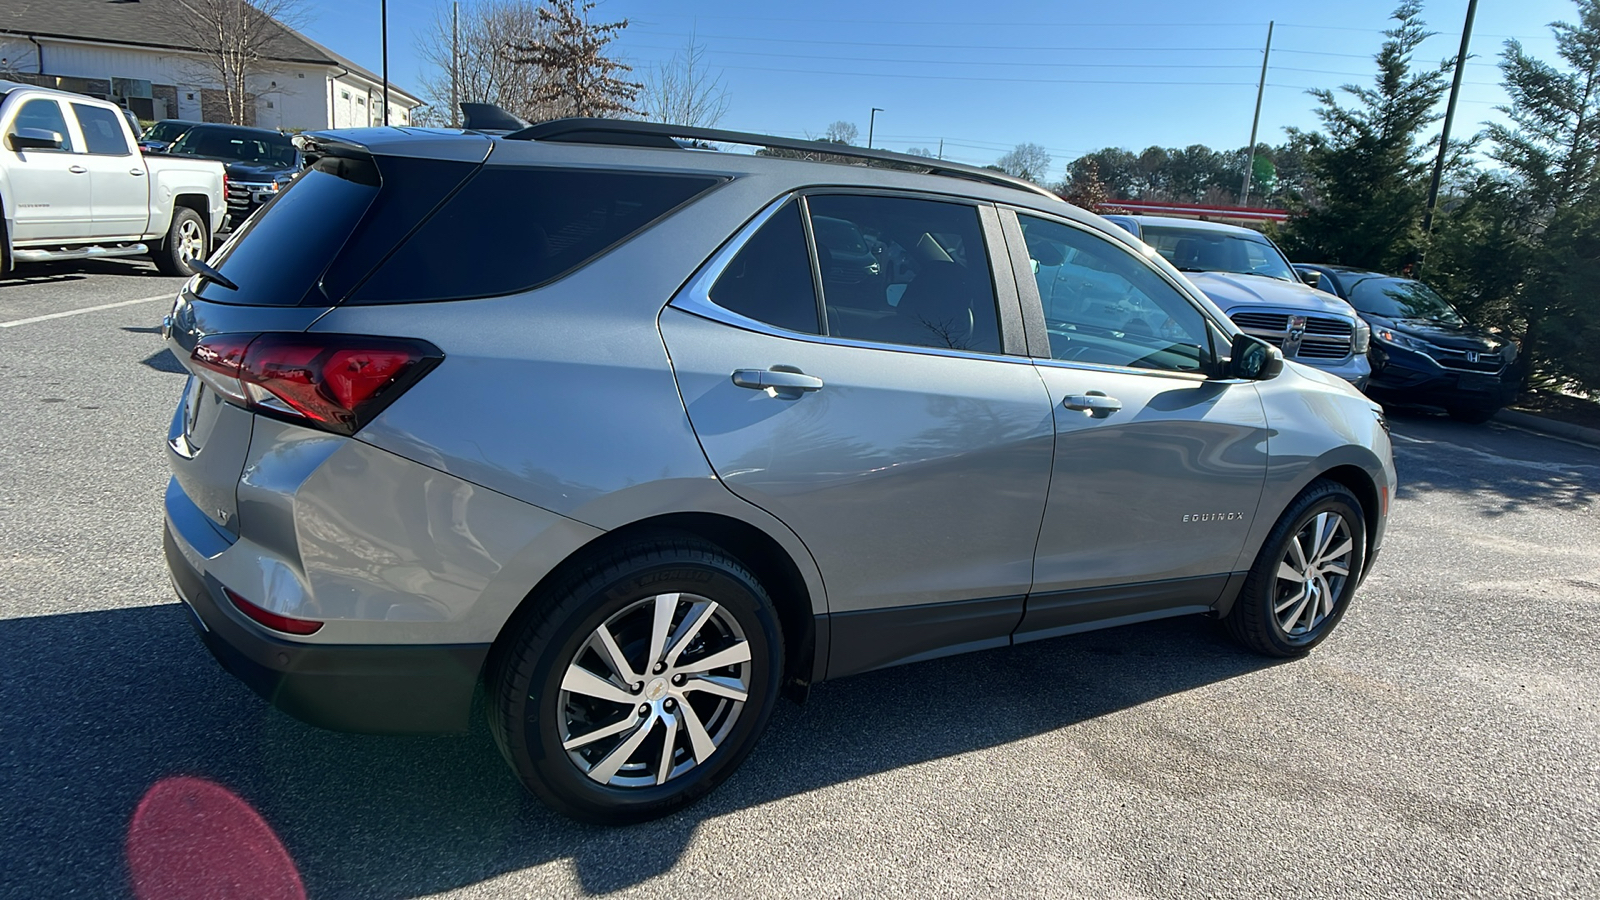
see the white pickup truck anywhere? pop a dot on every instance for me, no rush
(74, 185)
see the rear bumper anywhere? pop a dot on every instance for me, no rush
(375, 689)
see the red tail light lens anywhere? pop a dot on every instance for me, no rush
(335, 382)
(272, 620)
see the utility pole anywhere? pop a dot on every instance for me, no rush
(455, 64)
(1250, 154)
(872, 119)
(383, 13)
(941, 148)
(1449, 118)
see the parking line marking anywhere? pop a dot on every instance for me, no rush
(86, 309)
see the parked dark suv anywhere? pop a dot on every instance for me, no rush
(259, 162)
(1423, 351)
(689, 429)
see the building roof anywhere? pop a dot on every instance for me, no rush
(156, 24)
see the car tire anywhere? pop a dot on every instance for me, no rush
(1472, 415)
(186, 237)
(1316, 548)
(671, 607)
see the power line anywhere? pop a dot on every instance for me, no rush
(964, 46)
(965, 62)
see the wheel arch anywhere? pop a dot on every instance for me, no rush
(201, 206)
(804, 632)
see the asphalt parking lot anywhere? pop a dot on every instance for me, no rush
(1444, 743)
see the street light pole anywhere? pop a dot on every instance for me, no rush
(383, 13)
(872, 119)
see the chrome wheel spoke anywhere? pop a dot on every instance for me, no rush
(1290, 600)
(669, 745)
(579, 680)
(738, 653)
(1337, 552)
(1299, 610)
(666, 605)
(1288, 572)
(614, 656)
(721, 687)
(603, 770)
(1327, 598)
(1323, 533)
(699, 740)
(584, 740)
(1339, 569)
(690, 629)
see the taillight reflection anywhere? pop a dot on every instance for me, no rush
(285, 624)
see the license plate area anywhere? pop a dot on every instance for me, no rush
(1478, 382)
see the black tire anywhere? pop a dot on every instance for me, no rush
(529, 711)
(1254, 620)
(1472, 415)
(170, 256)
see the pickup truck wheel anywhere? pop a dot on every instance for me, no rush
(186, 240)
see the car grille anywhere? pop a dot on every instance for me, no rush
(1457, 359)
(240, 201)
(1325, 338)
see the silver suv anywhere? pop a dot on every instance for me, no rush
(638, 437)
(1249, 277)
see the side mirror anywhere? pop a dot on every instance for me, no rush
(1253, 359)
(35, 139)
(1310, 276)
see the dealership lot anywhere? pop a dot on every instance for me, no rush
(1444, 742)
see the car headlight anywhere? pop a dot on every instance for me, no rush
(1509, 353)
(1397, 339)
(1363, 337)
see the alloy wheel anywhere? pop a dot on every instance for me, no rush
(191, 239)
(654, 690)
(1312, 574)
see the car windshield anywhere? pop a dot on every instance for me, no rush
(1204, 250)
(1402, 298)
(274, 149)
(165, 131)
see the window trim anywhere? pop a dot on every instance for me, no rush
(68, 126)
(695, 295)
(1033, 304)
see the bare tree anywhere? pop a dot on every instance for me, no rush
(684, 90)
(919, 151)
(842, 132)
(579, 79)
(487, 71)
(235, 40)
(1029, 161)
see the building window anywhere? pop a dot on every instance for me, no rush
(344, 95)
(361, 101)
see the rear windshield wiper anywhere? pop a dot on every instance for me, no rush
(207, 273)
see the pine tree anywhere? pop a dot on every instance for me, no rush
(1369, 171)
(580, 80)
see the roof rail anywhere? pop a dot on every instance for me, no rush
(655, 134)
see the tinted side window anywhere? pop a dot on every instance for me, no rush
(511, 229)
(1103, 305)
(46, 114)
(903, 271)
(769, 280)
(102, 130)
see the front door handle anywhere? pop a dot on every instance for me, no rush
(76, 170)
(784, 381)
(1095, 403)
(135, 171)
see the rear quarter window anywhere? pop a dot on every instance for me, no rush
(510, 229)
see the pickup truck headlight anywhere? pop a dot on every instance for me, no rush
(1406, 341)
(1363, 337)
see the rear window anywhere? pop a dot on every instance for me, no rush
(279, 255)
(512, 229)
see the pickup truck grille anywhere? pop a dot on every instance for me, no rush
(1322, 339)
(241, 199)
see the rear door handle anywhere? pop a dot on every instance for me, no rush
(785, 381)
(1095, 403)
(76, 170)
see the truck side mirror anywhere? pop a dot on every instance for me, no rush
(1253, 359)
(1310, 276)
(35, 139)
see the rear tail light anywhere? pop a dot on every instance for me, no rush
(272, 620)
(336, 382)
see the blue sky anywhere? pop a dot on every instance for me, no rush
(1070, 76)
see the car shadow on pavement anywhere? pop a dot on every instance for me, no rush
(32, 274)
(97, 708)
